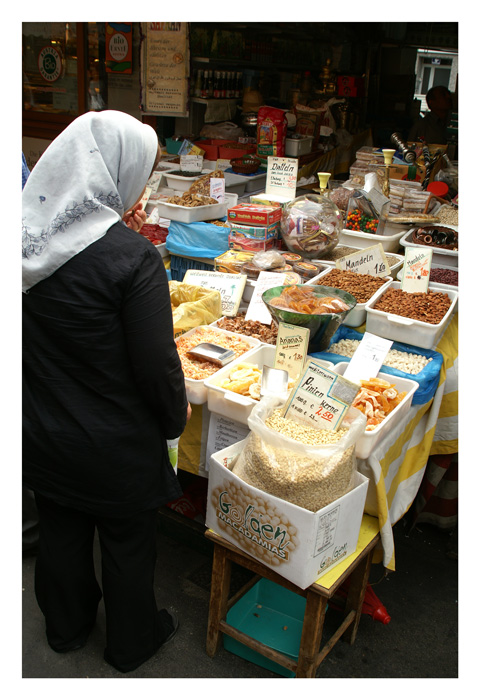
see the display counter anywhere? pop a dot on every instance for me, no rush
(396, 466)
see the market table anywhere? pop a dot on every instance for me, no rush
(396, 466)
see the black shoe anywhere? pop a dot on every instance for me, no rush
(170, 623)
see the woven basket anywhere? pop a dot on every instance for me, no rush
(245, 165)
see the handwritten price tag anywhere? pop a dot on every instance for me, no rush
(257, 310)
(229, 285)
(291, 351)
(367, 358)
(416, 270)
(368, 261)
(320, 398)
(282, 176)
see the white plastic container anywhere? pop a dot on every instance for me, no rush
(234, 183)
(358, 314)
(162, 249)
(196, 389)
(180, 182)
(436, 285)
(360, 239)
(407, 330)
(254, 183)
(188, 215)
(298, 147)
(394, 267)
(229, 403)
(371, 438)
(440, 256)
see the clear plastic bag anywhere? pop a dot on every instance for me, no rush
(310, 476)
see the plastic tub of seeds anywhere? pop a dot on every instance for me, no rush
(402, 360)
(395, 324)
(370, 288)
(322, 325)
(360, 239)
(180, 182)
(371, 437)
(234, 390)
(195, 370)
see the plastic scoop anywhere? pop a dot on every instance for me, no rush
(274, 381)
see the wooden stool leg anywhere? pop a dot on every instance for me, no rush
(356, 594)
(311, 635)
(220, 588)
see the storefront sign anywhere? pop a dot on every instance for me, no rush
(416, 270)
(320, 398)
(165, 68)
(368, 261)
(118, 47)
(50, 64)
(367, 358)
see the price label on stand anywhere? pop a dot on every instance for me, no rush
(291, 350)
(320, 398)
(367, 358)
(257, 309)
(416, 270)
(191, 163)
(229, 285)
(217, 188)
(222, 164)
(282, 176)
(368, 261)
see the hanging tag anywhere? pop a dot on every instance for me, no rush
(416, 269)
(320, 398)
(291, 349)
(367, 358)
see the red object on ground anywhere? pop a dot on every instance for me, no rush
(372, 605)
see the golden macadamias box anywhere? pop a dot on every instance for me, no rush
(296, 543)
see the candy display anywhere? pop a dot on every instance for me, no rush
(311, 225)
(357, 220)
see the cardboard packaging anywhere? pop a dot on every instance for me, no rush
(296, 543)
(255, 214)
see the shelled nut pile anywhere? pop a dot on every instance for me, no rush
(429, 307)
(362, 287)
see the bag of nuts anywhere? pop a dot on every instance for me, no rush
(293, 461)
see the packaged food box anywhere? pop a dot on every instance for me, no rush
(255, 214)
(232, 261)
(240, 241)
(370, 439)
(272, 200)
(265, 232)
(301, 552)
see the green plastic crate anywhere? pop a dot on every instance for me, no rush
(273, 615)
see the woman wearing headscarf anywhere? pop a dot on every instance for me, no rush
(103, 386)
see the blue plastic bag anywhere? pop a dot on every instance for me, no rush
(197, 240)
(427, 378)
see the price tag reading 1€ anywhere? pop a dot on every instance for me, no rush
(367, 358)
(291, 352)
(416, 270)
(320, 398)
(368, 261)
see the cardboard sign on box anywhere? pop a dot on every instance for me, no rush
(296, 543)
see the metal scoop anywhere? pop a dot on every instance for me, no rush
(274, 381)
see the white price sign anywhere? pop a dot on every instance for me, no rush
(367, 358)
(291, 349)
(368, 261)
(320, 398)
(416, 270)
(257, 309)
(282, 176)
(229, 285)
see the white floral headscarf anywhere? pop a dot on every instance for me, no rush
(85, 181)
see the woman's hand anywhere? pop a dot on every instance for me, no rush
(135, 218)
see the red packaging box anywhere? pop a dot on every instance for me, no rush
(256, 214)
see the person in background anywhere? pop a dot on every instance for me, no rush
(432, 128)
(103, 387)
(25, 170)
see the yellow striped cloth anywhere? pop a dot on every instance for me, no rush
(397, 464)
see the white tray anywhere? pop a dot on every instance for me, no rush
(440, 255)
(391, 244)
(196, 389)
(407, 330)
(370, 439)
(358, 314)
(187, 215)
(179, 182)
(236, 406)
(436, 285)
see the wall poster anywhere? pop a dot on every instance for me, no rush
(165, 68)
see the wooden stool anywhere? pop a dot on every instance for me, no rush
(310, 656)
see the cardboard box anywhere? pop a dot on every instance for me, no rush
(263, 232)
(240, 241)
(312, 543)
(255, 214)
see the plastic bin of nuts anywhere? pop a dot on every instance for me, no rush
(299, 544)
(403, 360)
(403, 316)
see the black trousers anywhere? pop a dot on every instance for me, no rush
(68, 593)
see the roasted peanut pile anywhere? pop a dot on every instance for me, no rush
(362, 287)
(429, 307)
(255, 329)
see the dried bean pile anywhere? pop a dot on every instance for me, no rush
(444, 276)
(255, 329)
(429, 307)
(362, 287)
